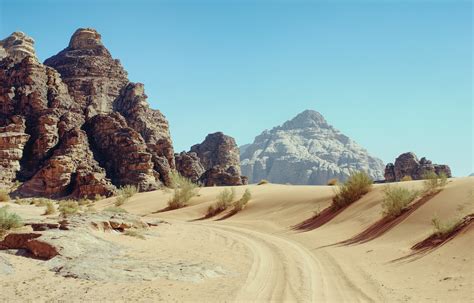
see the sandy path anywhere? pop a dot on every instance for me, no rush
(285, 270)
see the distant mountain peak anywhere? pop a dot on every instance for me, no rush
(305, 119)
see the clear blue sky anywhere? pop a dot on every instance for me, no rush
(395, 76)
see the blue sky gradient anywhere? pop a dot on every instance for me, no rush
(395, 76)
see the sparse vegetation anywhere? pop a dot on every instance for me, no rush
(242, 202)
(224, 200)
(50, 209)
(120, 200)
(4, 196)
(128, 191)
(114, 209)
(396, 200)
(134, 233)
(40, 202)
(333, 181)
(68, 207)
(184, 190)
(263, 181)
(444, 228)
(434, 182)
(98, 197)
(8, 220)
(357, 185)
(407, 178)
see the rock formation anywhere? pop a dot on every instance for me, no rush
(214, 162)
(407, 164)
(305, 150)
(49, 113)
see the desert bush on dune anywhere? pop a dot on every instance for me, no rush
(407, 178)
(263, 181)
(242, 202)
(68, 207)
(333, 181)
(357, 185)
(396, 199)
(433, 182)
(125, 193)
(444, 228)
(224, 200)
(50, 208)
(184, 190)
(8, 220)
(4, 196)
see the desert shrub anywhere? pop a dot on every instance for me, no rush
(224, 200)
(50, 209)
(4, 196)
(396, 199)
(242, 202)
(84, 202)
(8, 220)
(263, 181)
(120, 200)
(134, 233)
(128, 191)
(333, 181)
(406, 178)
(40, 202)
(23, 201)
(184, 190)
(444, 228)
(114, 209)
(357, 185)
(98, 197)
(68, 207)
(433, 182)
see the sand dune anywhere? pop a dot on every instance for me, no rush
(258, 255)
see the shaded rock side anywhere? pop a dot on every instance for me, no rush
(121, 151)
(306, 150)
(189, 166)
(12, 141)
(94, 78)
(407, 164)
(71, 171)
(151, 125)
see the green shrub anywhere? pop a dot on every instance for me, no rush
(4, 196)
(224, 200)
(406, 178)
(444, 228)
(128, 191)
(263, 181)
(134, 233)
(396, 199)
(68, 207)
(242, 202)
(333, 181)
(8, 220)
(114, 209)
(433, 182)
(184, 190)
(50, 209)
(357, 185)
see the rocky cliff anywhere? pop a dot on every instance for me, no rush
(408, 165)
(305, 150)
(75, 126)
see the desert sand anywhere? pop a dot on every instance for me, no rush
(259, 254)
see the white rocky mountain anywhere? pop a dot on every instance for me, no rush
(305, 150)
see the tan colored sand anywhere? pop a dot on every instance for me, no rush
(264, 259)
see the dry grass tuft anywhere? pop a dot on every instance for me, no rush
(358, 184)
(396, 200)
(444, 228)
(50, 208)
(242, 202)
(407, 178)
(4, 196)
(224, 200)
(8, 220)
(433, 182)
(184, 190)
(68, 207)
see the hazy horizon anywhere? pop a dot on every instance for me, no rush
(393, 76)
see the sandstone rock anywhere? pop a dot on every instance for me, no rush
(17, 240)
(121, 151)
(306, 150)
(151, 125)
(94, 78)
(189, 166)
(407, 164)
(219, 176)
(17, 46)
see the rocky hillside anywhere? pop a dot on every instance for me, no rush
(305, 150)
(408, 165)
(75, 126)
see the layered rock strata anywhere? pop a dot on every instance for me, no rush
(408, 165)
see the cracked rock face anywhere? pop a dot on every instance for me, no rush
(189, 166)
(408, 165)
(305, 150)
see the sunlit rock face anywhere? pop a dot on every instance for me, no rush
(306, 150)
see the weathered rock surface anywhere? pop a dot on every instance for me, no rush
(219, 156)
(94, 78)
(189, 165)
(121, 151)
(407, 164)
(40, 119)
(306, 150)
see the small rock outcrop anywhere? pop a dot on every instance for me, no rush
(306, 150)
(189, 166)
(408, 165)
(17, 46)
